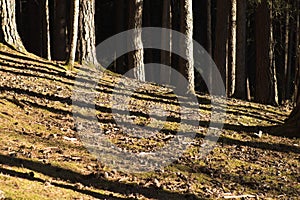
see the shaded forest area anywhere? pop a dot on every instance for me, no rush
(255, 44)
(274, 22)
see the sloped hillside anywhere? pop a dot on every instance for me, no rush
(42, 156)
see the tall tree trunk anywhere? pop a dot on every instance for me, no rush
(297, 50)
(221, 32)
(286, 86)
(240, 85)
(74, 34)
(208, 28)
(136, 58)
(186, 67)
(209, 48)
(148, 53)
(46, 47)
(60, 30)
(232, 49)
(8, 33)
(87, 37)
(165, 73)
(265, 84)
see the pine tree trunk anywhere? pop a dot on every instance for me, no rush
(186, 67)
(74, 33)
(286, 54)
(87, 37)
(240, 85)
(297, 49)
(8, 33)
(46, 47)
(136, 58)
(148, 53)
(232, 49)
(59, 30)
(209, 27)
(221, 32)
(266, 83)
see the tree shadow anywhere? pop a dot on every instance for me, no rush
(27, 58)
(260, 145)
(34, 75)
(29, 177)
(88, 180)
(219, 177)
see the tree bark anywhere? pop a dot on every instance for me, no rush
(136, 58)
(221, 32)
(59, 42)
(186, 66)
(266, 83)
(8, 33)
(46, 46)
(74, 34)
(297, 49)
(291, 126)
(240, 85)
(231, 76)
(87, 37)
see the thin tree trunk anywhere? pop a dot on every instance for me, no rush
(286, 54)
(74, 34)
(46, 46)
(297, 49)
(136, 58)
(240, 86)
(8, 33)
(232, 49)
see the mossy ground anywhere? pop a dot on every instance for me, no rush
(42, 156)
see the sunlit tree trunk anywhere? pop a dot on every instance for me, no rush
(186, 67)
(46, 47)
(8, 33)
(74, 34)
(136, 57)
(87, 37)
(231, 76)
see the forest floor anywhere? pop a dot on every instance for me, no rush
(42, 155)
